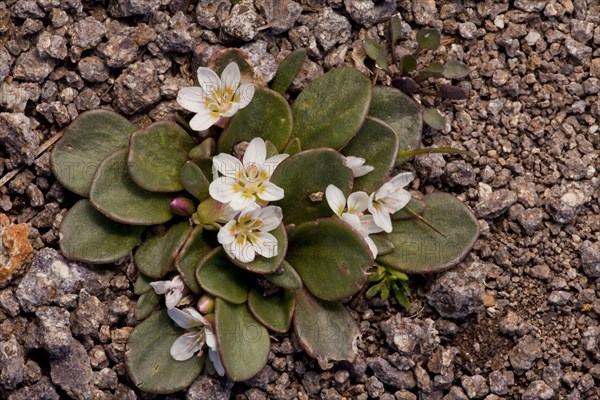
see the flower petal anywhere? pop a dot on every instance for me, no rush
(240, 200)
(216, 361)
(197, 316)
(369, 225)
(372, 246)
(273, 162)
(230, 77)
(203, 121)
(227, 165)
(244, 253)
(270, 192)
(186, 346)
(256, 153)
(210, 339)
(192, 99)
(173, 297)
(264, 244)
(362, 171)
(353, 162)
(358, 202)
(161, 287)
(401, 180)
(245, 93)
(335, 199)
(229, 113)
(271, 217)
(354, 221)
(381, 217)
(226, 233)
(395, 201)
(222, 189)
(208, 81)
(185, 319)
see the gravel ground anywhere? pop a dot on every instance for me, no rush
(517, 319)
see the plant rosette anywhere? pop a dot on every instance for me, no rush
(262, 223)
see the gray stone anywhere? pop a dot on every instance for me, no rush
(210, 13)
(409, 336)
(424, 11)
(526, 351)
(500, 382)
(430, 166)
(405, 395)
(564, 209)
(12, 363)
(6, 62)
(331, 29)
(33, 67)
(511, 324)
(93, 69)
(8, 303)
(456, 393)
(209, 387)
(590, 258)
(467, 30)
(42, 390)
(175, 41)
(35, 196)
(73, 373)
(374, 387)
(27, 9)
(538, 390)
(242, 21)
(137, 88)
(577, 50)
(460, 173)
(475, 386)
(58, 17)
(265, 65)
(106, 379)
(389, 375)
(309, 72)
(531, 219)
(423, 379)
(88, 315)
(368, 12)
(559, 297)
(582, 31)
(280, 14)
(128, 8)
(123, 48)
(591, 341)
(495, 204)
(86, 34)
(460, 291)
(16, 136)
(531, 5)
(54, 330)
(52, 45)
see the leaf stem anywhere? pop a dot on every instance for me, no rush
(429, 150)
(423, 220)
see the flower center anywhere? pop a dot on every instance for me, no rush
(250, 178)
(243, 229)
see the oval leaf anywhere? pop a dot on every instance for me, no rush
(156, 155)
(288, 278)
(86, 142)
(331, 109)
(401, 113)
(156, 255)
(263, 265)
(219, 277)
(455, 70)
(243, 342)
(142, 284)
(194, 249)
(86, 235)
(414, 206)
(418, 249)
(308, 173)
(326, 330)
(377, 143)
(194, 181)
(148, 359)
(146, 304)
(383, 244)
(429, 38)
(293, 147)
(116, 196)
(222, 58)
(408, 64)
(434, 118)
(203, 151)
(275, 311)
(268, 116)
(376, 53)
(287, 71)
(331, 258)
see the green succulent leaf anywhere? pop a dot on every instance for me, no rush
(222, 58)
(293, 147)
(268, 116)
(288, 278)
(408, 64)
(287, 71)
(401, 296)
(377, 143)
(326, 330)
(156, 155)
(219, 277)
(203, 151)
(156, 255)
(376, 53)
(194, 181)
(305, 174)
(434, 118)
(374, 290)
(86, 142)
(86, 235)
(432, 69)
(395, 29)
(271, 149)
(384, 246)
(274, 311)
(148, 359)
(429, 38)
(414, 206)
(331, 109)
(263, 265)
(454, 69)
(418, 249)
(142, 284)
(400, 112)
(117, 197)
(331, 258)
(147, 303)
(194, 249)
(243, 342)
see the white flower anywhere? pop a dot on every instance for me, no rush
(357, 202)
(198, 333)
(356, 164)
(173, 290)
(365, 225)
(388, 199)
(243, 182)
(249, 234)
(216, 97)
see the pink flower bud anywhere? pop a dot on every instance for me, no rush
(182, 206)
(206, 304)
